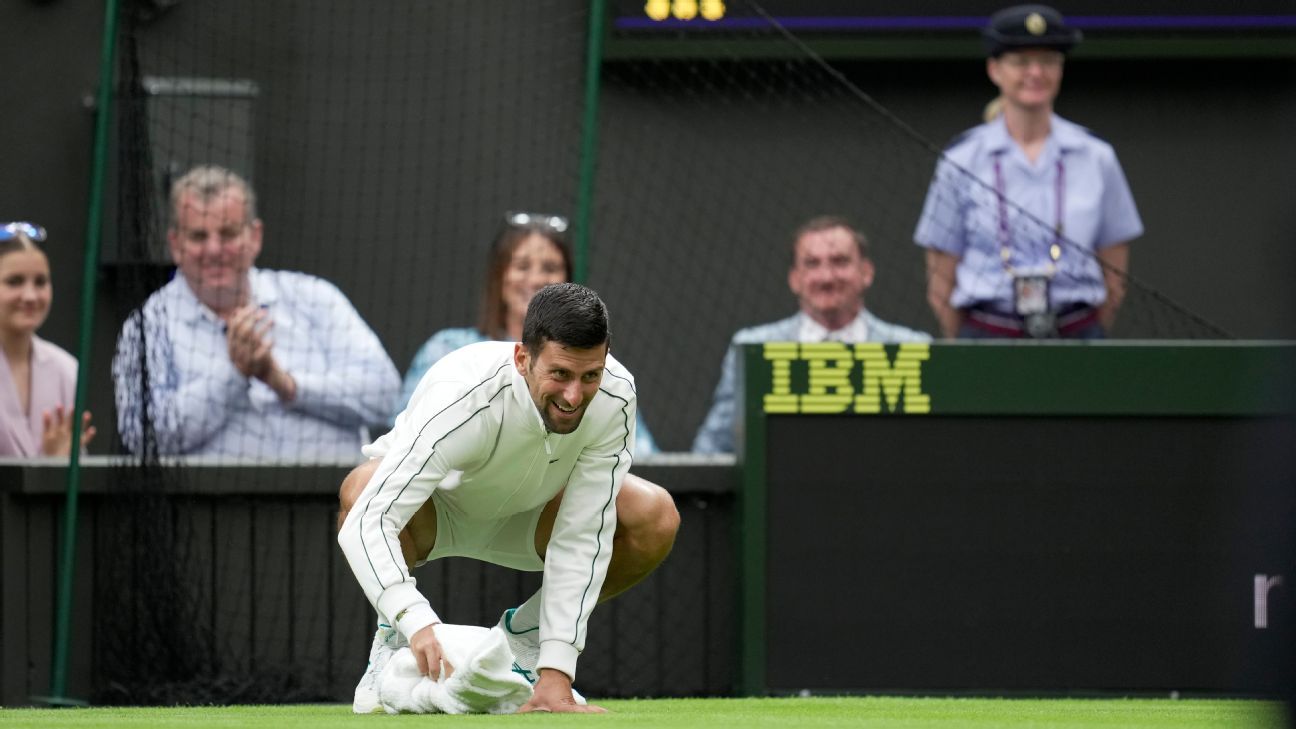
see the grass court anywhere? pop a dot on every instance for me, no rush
(774, 713)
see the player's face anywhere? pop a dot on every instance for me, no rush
(25, 291)
(562, 381)
(1028, 78)
(214, 244)
(829, 276)
(536, 263)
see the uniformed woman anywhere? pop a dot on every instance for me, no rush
(1028, 219)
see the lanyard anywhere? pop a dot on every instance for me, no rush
(1005, 237)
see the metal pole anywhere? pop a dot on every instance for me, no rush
(67, 562)
(589, 141)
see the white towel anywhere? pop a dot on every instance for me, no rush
(483, 681)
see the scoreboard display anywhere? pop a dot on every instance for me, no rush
(1168, 27)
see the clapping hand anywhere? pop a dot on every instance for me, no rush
(56, 437)
(247, 334)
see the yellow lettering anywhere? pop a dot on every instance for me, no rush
(830, 389)
(685, 9)
(883, 379)
(713, 9)
(780, 398)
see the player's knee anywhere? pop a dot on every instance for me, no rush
(668, 518)
(652, 526)
(354, 483)
(348, 493)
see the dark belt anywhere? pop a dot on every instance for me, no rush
(1070, 320)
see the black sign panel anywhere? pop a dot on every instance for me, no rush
(1029, 553)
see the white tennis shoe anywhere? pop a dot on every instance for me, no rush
(525, 645)
(387, 640)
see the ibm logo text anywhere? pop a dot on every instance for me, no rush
(830, 384)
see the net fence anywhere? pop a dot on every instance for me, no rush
(384, 143)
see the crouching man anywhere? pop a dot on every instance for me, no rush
(516, 454)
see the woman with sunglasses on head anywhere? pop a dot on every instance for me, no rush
(529, 253)
(1028, 219)
(37, 378)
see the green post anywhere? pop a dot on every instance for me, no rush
(90, 269)
(589, 142)
(752, 526)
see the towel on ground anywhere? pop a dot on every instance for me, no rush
(483, 681)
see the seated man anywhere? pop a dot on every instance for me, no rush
(231, 360)
(830, 272)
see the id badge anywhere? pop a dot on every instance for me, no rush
(1030, 295)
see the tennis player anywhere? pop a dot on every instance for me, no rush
(516, 454)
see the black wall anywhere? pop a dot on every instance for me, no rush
(479, 127)
(1078, 555)
(254, 602)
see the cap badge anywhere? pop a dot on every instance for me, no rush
(1036, 24)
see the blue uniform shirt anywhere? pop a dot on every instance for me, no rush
(962, 215)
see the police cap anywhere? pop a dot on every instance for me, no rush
(1028, 26)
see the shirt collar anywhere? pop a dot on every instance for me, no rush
(189, 310)
(812, 331)
(1064, 134)
(1069, 136)
(522, 393)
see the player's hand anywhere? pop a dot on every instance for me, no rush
(553, 693)
(56, 434)
(427, 652)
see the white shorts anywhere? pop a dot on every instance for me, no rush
(509, 542)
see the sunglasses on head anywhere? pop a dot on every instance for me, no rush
(33, 232)
(556, 223)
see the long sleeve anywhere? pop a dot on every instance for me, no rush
(183, 415)
(356, 381)
(581, 545)
(451, 430)
(717, 432)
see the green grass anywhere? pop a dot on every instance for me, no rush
(866, 713)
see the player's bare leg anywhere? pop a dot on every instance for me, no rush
(419, 535)
(647, 522)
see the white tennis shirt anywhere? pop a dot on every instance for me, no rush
(473, 433)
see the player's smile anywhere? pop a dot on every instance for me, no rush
(562, 381)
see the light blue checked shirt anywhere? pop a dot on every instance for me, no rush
(961, 215)
(199, 404)
(717, 434)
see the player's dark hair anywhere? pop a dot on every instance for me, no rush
(567, 313)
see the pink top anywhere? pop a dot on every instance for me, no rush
(53, 374)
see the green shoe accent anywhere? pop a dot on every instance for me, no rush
(508, 625)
